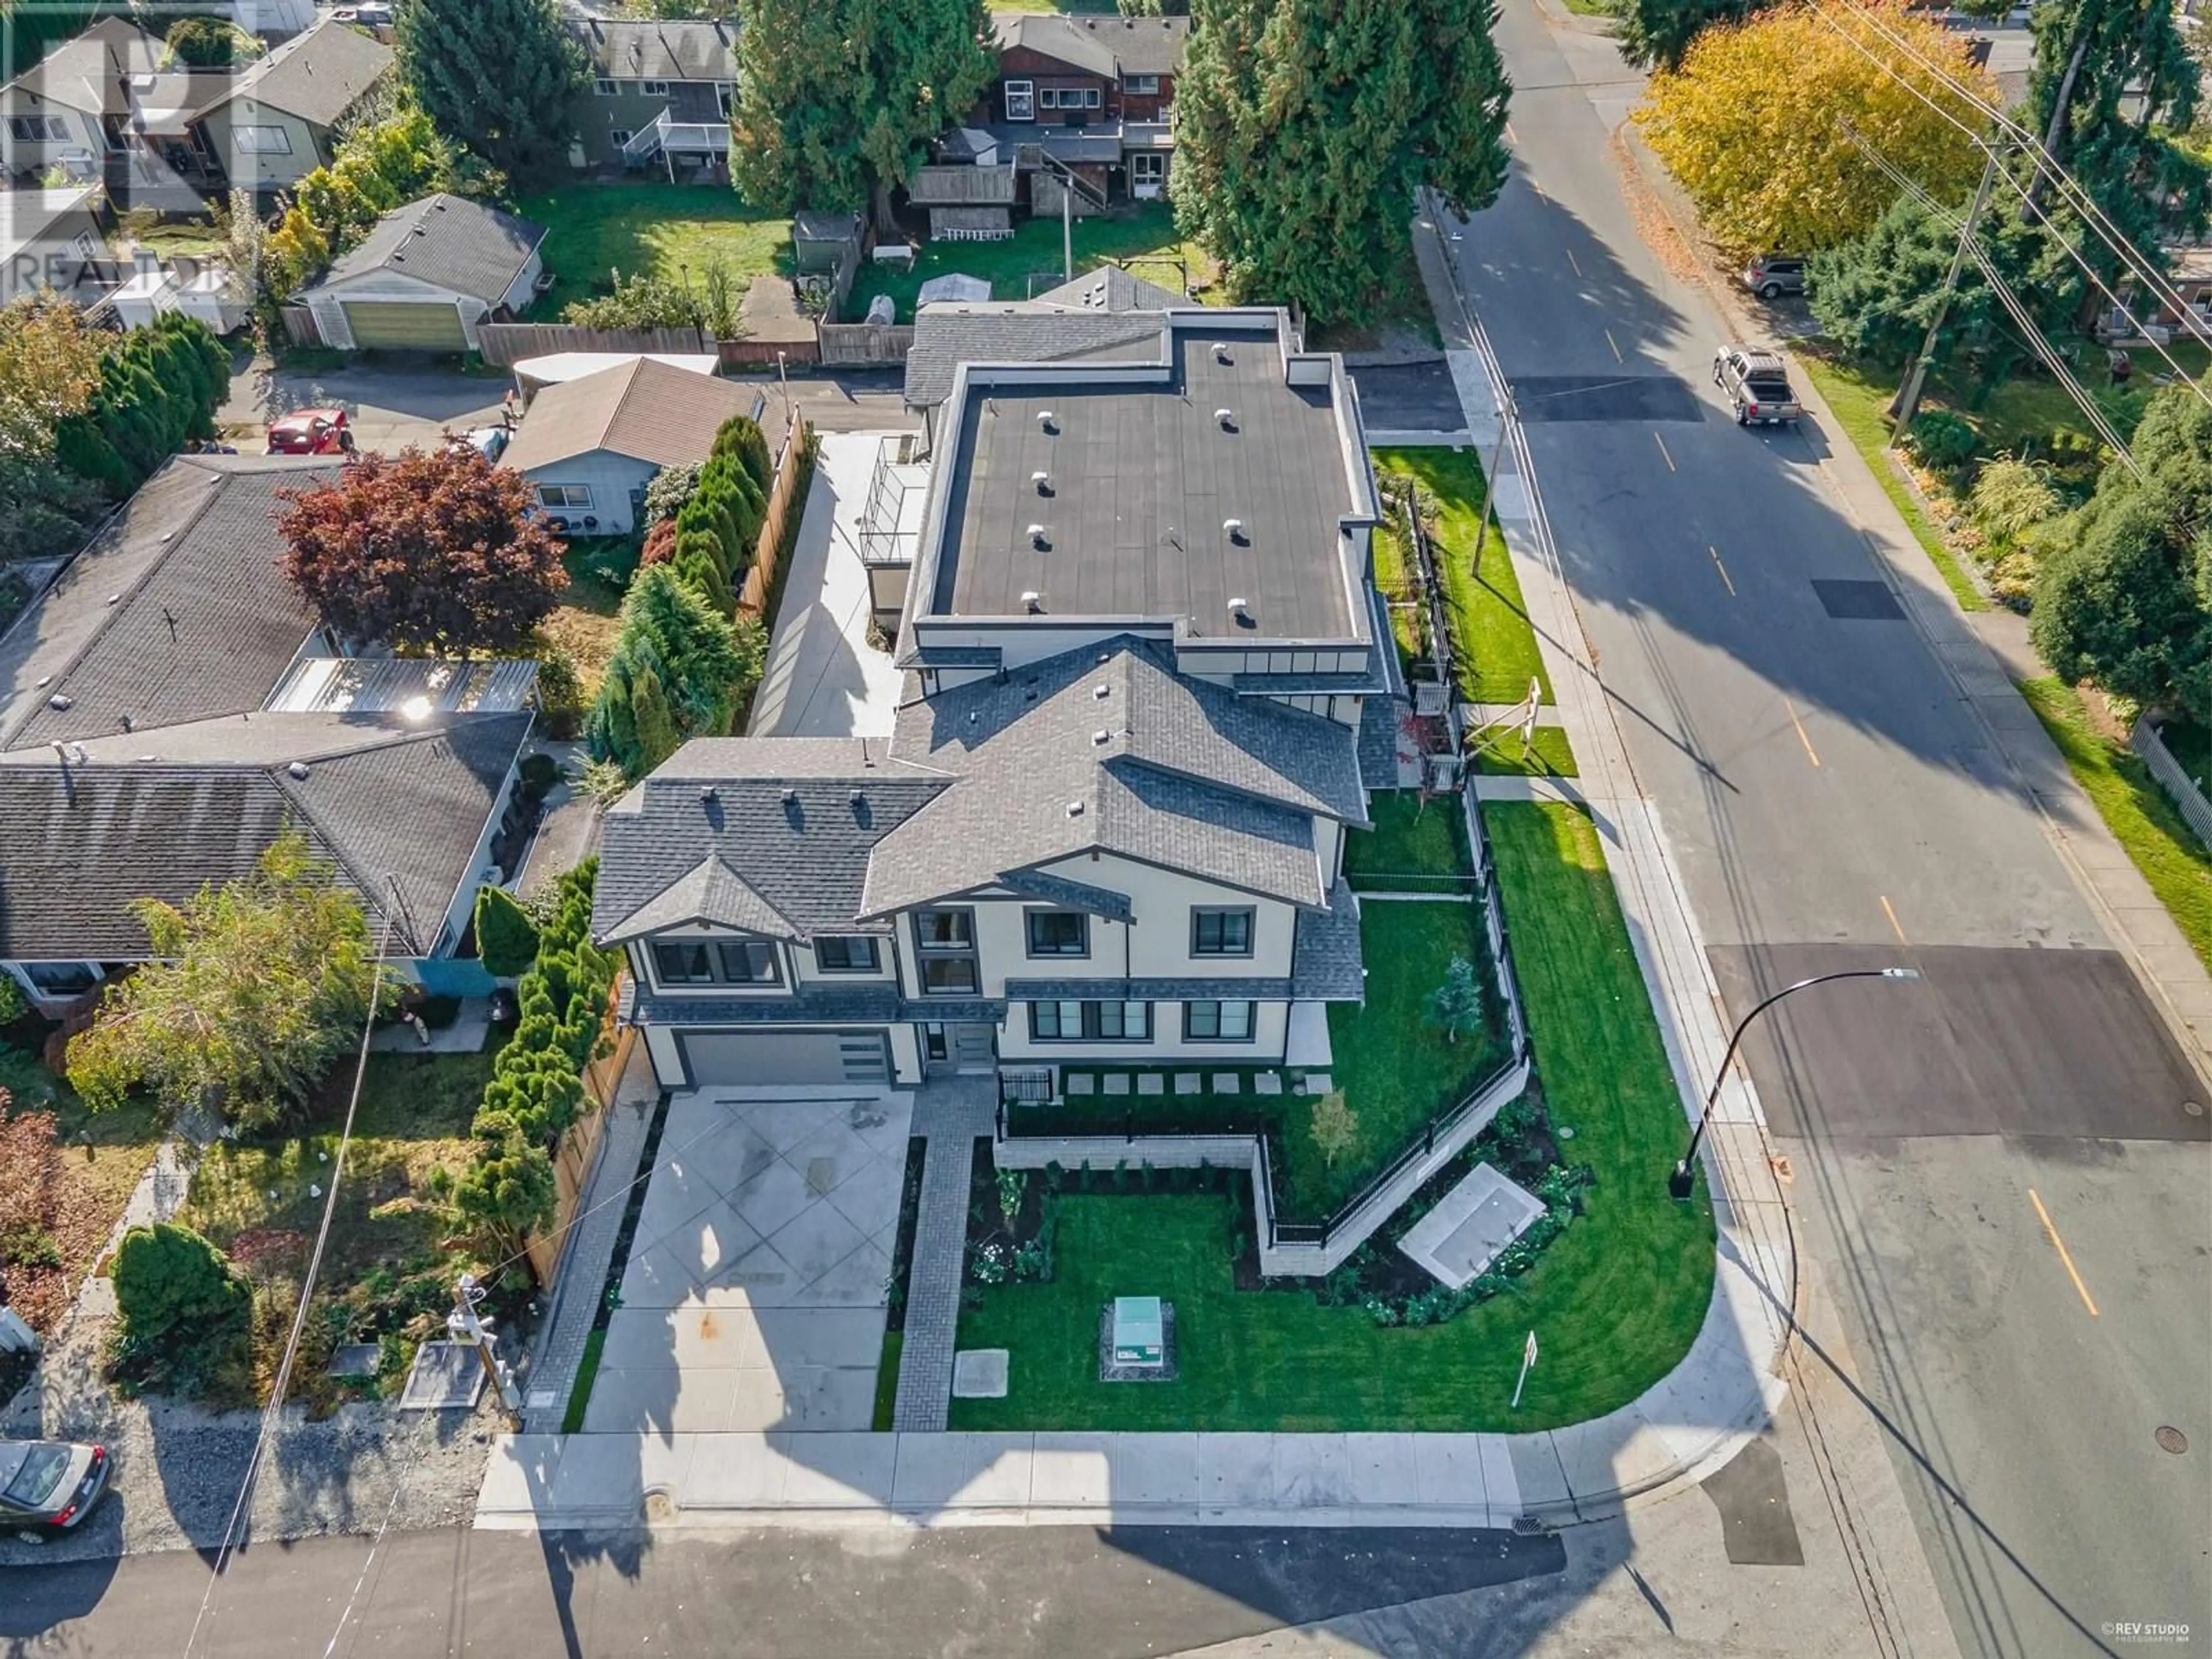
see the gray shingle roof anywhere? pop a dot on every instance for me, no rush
(1110, 287)
(1325, 959)
(1187, 776)
(806, 859)
(946, 335)
(1103, 45)
(448, 241)
(1378, 740)
(83, 842)
(660, 51)
(318, 76)
(91, 70)
(177, 613)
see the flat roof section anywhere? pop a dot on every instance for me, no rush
(1140, 478)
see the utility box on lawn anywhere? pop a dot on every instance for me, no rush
(1138, 1336)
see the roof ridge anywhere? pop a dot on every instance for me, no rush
(621, 405)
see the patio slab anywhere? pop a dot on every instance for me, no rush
(1459, 1239)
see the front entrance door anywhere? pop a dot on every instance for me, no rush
(975, 1048)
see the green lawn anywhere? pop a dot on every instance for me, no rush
(1417, 845)
(587, 1372)
(1615, 1301)
(2134, 808)
(1396, 1073)
(1493, 646)
(1143, 237)
(1548, 756)
(662, 230)
(881, 1418)
(1861, 399)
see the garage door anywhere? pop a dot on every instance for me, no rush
(404, 326)
(727, 1058)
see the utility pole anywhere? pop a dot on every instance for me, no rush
(1908, 400)
(464, 1325)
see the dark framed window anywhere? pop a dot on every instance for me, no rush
(845, 953)
(1217, 1022)
(683, 963)
(1058, 932)
(749, 962)
(949, 976)
(1221, 932)
(1141, 86)
(1091, 1022)
(942, 929)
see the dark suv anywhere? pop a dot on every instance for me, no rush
(1770, 276)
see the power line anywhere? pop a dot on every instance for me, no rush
(2076, 196)
(271, 1412)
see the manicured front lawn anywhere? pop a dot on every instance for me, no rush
(661, 230)
(1396, 1072)
(1418, 844)
(2134, 809)
(1143, 237)
(1547, 756)
(1615, 1301)
(1494, 654)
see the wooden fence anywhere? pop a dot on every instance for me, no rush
(505, 344)
(760, 581)
(747, 353)
(2173, 778)
(863, 345)
(577, 1149)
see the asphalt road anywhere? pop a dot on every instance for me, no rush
(1834, 802)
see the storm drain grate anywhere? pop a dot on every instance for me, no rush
(1858, 601)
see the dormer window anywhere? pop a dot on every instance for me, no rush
(845, 953)
(702, 962)
(684, 963)
(749, 962)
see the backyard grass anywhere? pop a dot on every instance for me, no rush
(1418, 844)
(588, 618)
(587, 1372)
(2134, 809)
(1494, 654)
(1547, 756)
(661, 230)
(1395, 1070)
(1143, 237)
(1615, 1301)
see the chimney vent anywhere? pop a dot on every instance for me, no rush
(298, 770)
(710, 792)
(791, 798)
(1075, 809)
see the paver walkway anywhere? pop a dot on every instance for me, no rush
(948, 1115)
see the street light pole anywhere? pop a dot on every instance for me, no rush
(1684, 1177)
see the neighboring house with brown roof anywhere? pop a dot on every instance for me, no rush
(274, 125)
(589, 446)
(425, 277)
(169, 707)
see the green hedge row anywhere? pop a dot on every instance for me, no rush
(537, 1088)
(159, 387)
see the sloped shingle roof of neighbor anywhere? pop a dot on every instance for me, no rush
(1111, 287)
(177, 613)
(318, 76)
(385, 799)
(662, 51)
(947, 335)
(803, 860)
(89, 72)
(647, 410)
(448, 241)
(1105, 44)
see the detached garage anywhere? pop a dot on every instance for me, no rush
(769, 1058)
(425, 277)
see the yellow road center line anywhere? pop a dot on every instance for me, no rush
(1722, 569)
(1616, 349)
(1572, 260)
(2059, 1245)
(1892, 915)
(1801, 738)
(1661, 442)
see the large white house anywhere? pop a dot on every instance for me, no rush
(1140, 632)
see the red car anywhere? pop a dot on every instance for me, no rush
(311, 432)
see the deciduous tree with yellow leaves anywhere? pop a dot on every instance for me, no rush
(1756, 122)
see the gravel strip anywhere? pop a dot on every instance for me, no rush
(178, 1467)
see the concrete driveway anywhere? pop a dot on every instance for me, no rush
(391, 406)
(754, 1296)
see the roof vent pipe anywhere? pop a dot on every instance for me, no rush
(1234, 529)
(1032, 601)
(1239, 607)
(1043, 480)
(298, 770)
(1226, 418)
(1038, 538)
(1221, 352)
(791, 798)
(1075, 809)
(1047, 420)
(710, 792)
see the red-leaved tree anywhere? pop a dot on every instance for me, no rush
(437, 552)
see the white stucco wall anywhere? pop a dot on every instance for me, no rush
(610, 477)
